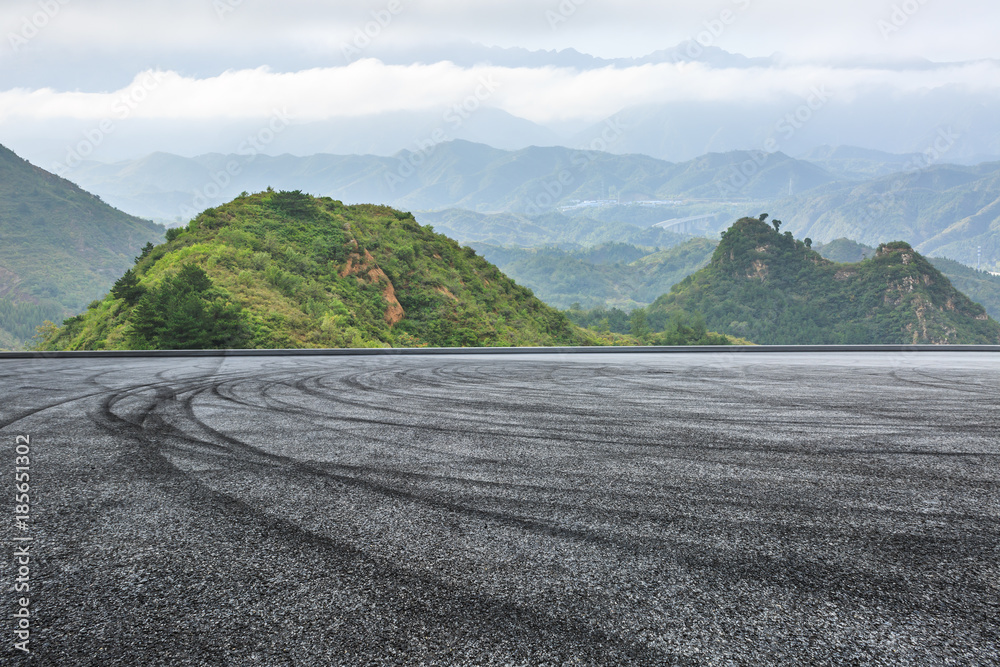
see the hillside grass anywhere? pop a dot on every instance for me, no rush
(302, 272)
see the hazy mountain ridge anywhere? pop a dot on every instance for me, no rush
(456, 174)
(861, 164)
(878, 118)
(947, 210)
(555, 229)
(943, 209)
(470, 54)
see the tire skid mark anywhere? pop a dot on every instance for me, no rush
(394, 577)
(600, 442)
(815, 578)
(158, 421)
(940, 383)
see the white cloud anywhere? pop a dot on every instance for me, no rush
(542, 95)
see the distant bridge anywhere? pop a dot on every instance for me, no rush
(666, 224)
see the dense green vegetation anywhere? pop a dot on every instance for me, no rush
(60, 248)
(613, 275)
(767, 286)
(184, 312)
(286, 270)
(19, 319)
(981, 287)
(650, 328)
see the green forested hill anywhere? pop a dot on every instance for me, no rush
(773, 289)
(980, 286)
(286, 270)
(60, 247)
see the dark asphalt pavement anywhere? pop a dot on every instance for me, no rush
(702, 509)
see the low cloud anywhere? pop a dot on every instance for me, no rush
(542, 95)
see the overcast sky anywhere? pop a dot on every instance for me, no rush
(85, 30)
(219, 59)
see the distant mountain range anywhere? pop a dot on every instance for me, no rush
(457, 174)
(873, 120)
(512, 197)
(945, 210)
(861, 164)
(470, 54)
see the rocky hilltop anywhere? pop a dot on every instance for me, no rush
(767, 286)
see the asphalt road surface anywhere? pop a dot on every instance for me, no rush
(709, 509)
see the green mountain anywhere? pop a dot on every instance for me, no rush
(980, 286)
(60, 248)
(773, 289)
(610, 275)
(286, 270)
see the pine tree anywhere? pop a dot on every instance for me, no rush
(128, 289)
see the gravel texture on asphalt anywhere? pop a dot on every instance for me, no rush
(703, 509)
